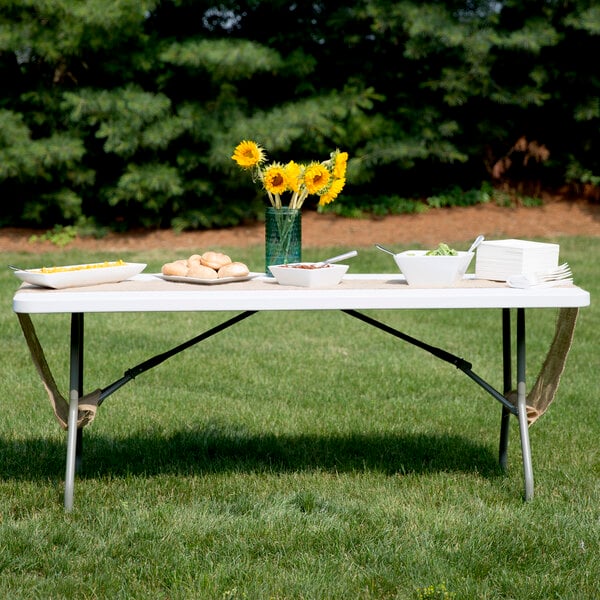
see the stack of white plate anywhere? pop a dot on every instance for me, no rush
(500, 259)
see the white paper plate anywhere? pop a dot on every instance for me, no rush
(81, 275)
(198, 280)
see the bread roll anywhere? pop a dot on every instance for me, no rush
(201, 271)
(178, 268)
(215, 260)
(234, 269)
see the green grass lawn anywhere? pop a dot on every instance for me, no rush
(299, 455)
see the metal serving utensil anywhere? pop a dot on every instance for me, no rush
(385, 249)
(476, 243)
(337, 258)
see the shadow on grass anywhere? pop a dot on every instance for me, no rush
(215, 450)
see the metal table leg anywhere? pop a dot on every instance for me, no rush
(506, 365)
(522, 405)
(75, 434)
(75, 391)
(507, 407)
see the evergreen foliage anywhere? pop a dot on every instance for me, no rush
(125, 113)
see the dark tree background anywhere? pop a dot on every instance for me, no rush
(125, 113)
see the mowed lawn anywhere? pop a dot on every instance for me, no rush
(299, 455)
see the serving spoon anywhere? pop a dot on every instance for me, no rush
(337, 258)
(385, 249)
(476, 243)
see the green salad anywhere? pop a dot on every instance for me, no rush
(442, 250)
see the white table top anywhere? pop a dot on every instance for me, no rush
(149, 293)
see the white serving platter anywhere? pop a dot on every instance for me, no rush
(80, 275)
(202, 281)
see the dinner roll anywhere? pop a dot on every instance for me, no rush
(234, 269)
(201, 271)
(215, 260)
(178, 268)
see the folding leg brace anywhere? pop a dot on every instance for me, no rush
(459, 363)
(519, 410)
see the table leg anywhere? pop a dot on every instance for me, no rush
(75, 391)
(507, 371)
(522, 405)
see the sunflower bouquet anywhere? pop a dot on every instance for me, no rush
(325, 179)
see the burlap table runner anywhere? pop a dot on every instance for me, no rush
(88, 404)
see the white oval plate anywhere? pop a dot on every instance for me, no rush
(201, 281)
(81, 275)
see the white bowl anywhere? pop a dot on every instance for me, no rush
(432, 271)
(300, 274)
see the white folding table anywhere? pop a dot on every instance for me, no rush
(149, 293)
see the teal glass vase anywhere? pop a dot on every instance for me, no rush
(283, 236)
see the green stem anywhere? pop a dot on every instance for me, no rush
(285, 222)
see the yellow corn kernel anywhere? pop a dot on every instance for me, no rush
(117, 263)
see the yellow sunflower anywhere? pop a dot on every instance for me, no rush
(293, 172)
(339, 167)
(275, 179)
(333, 192)
(316, 178)
(248, 154)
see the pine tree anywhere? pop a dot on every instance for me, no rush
(125, 113)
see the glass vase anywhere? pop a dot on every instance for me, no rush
(283, 236)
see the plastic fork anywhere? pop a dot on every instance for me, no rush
(561, 275)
